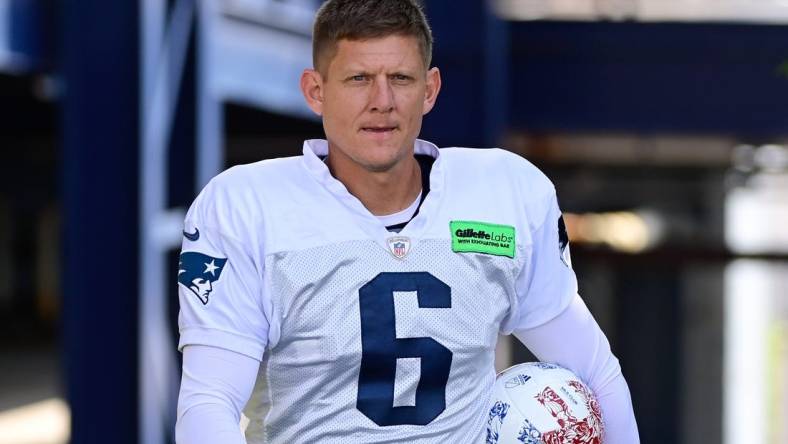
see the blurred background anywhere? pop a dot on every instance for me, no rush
(663, 123)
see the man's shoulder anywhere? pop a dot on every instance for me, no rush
(252, 175)
(240, 191)
(494, 164)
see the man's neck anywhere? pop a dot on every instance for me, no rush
(382, 193)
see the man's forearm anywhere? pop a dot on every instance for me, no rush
(215, 386)
(208, 424)
(574, 340)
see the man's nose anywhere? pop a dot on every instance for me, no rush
(382, 96)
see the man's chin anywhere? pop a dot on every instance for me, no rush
(381, 164)
(376, 157)
(379, 167)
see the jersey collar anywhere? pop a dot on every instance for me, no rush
(316, 149)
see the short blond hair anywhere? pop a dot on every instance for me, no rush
(368, 19)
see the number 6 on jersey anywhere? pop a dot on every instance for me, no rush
(380, 349)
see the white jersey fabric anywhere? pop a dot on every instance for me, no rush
(218, 382)
(356, 343)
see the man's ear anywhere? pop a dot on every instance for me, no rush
(312, 88)
(432, 90)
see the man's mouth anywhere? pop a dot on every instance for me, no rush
(378, 129)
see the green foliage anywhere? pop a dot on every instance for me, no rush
(782, 69)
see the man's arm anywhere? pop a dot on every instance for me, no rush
(216, 385)
(574, 340)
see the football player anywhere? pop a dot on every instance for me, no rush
(364, 284)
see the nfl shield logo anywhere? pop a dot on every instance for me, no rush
(399, 246)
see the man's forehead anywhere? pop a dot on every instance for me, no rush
(389, 52)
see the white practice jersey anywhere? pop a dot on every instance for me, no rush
(365, 335)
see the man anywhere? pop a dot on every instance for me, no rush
(366, 282)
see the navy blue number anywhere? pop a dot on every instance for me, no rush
(380, 350)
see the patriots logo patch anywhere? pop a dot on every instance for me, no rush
(198, 272)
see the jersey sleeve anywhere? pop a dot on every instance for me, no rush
(574, 340)
(220, 277)
(547, 283)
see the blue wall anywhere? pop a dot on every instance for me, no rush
(650, 77)
(602, 76)
(100, 148)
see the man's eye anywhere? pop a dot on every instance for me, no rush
(401, 78)
(358, 78)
